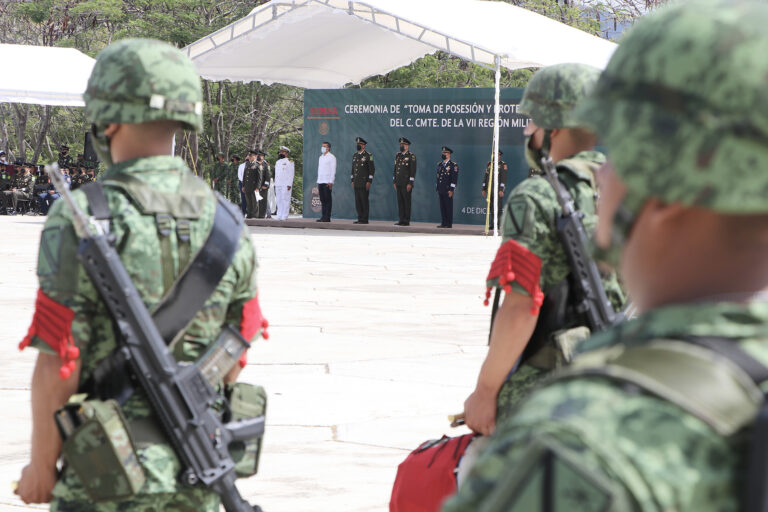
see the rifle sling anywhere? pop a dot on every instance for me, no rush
(186, 297)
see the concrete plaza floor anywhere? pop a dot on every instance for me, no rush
(375, 339)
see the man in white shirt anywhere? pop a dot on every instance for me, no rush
(326, 174)
(284, 172)
(240, 173)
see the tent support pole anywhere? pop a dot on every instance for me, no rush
(495, 157)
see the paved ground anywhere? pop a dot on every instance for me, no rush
(375, 226)
(376, 337)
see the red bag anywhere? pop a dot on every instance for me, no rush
(428, 475)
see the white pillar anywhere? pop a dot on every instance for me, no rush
(495, 160)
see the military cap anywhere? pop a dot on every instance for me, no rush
(63, 147)
(283, 148)
(689, 127)
(234, 157)
(253, 151)
(360, 140)
(403, 140)
(219, 154)
(554, 91)
(260, 152)
(501, 152)
(446, 149)
(2, 152)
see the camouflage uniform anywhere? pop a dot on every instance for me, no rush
(136, 191)
(220, 173)
(596, 436)
(530, 220)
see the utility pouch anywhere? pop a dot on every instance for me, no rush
(246, 401)
(560, 349)
(97, 445)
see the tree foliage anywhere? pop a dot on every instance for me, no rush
(237, 116)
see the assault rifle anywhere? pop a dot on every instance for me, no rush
(181, 396)
(591, 299)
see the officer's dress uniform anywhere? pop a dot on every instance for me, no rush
(265, 178)
(447, 176)
(487, 178)
(362, 173)
(284, 173)
(404, 175)
(251, 180)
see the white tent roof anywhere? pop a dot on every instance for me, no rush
(43, 75)
(330, 43)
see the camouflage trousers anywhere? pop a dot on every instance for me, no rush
(160, 493)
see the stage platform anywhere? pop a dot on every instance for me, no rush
(375, 225)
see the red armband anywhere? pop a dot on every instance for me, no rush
(514, 262)
(250, 323)
(52, 323)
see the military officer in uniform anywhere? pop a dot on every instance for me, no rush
(487, 178)
(403, 180)
(362, 177)
(666, 411)
(71, 326)
(251, 181)
(447, 176)
(23, 184)
(265, 178)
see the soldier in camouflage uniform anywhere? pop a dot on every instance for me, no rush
(265, 178)
(536, 321)
(233, 183)
(219, 174)
(659, 414)
(21, 188)
(65, 159)
(139, 94)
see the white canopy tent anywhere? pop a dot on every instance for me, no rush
(60, 75)
(332, 43)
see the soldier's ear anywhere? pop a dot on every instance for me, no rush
(111, 129)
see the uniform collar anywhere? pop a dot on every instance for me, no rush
(147, 164)
(714, 319)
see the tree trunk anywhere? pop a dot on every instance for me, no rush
(45, 124)
(22, 112)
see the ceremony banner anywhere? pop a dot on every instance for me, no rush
(461, 119)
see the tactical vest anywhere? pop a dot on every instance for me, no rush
(559, 326)
(713, 379)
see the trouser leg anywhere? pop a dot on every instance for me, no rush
(449, 209)
(400, 204)
(359, 204)
(366, 204)
(250, 200)
(243, 203)
(407, 203)
(441, 198)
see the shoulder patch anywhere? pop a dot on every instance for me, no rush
(550, 476)
(50, 250)
(518, 213)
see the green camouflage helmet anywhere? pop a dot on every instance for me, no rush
(554, 91)
(140, 80)
(683, 110)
